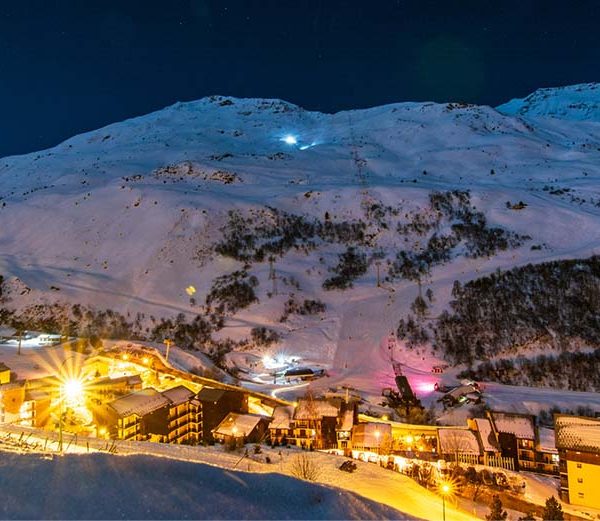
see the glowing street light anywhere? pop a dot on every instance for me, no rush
(71, 390)
(445, 490)
(290, 140)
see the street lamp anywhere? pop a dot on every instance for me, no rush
(70, 388)
(445, 490)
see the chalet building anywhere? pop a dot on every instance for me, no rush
(245, 428)
(122, 418)
(515, 434)
(578, 444)
(343, 431)
(372, 437)
(460, 444)
(169, 417)
(315, 422)
(280, 428)
(178, 421)
(215, 405)
(411, 439)
(487, 437)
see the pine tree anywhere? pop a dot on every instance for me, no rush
(553, 510)
(496, 511)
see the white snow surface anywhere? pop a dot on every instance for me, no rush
(100, 486)
(114, 229)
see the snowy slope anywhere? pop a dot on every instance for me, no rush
(143, 487)
(574, 102)
(127, 217)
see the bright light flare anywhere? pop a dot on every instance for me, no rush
(73, 389)
(290, 140)
(190, 290)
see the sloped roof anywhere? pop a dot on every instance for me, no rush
(139, 403)
(458, 440)
(519, 425)
(347, 421)
(282, 416)
(315, 409)
(210, 394)
(4, 367)
(236, 424)
(178, 395)
(486, 434)
(577, 433)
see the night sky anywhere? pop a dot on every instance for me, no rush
(74, 65)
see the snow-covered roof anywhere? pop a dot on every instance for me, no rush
(458, 440)
(178, 395)
(315, 409)
(518, 424)
(139, 403)
(282, 416)
(371, 434)
(486, 434)
(347, 421)
(577, 433)
(547, 440)
(463, 390)
(236, 424)
(210, 394)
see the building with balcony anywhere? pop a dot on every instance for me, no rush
(578, 444)
(315, 422)
(280, 428)
(171, 416)
(215, 405)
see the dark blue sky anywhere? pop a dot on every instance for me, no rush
(67, 66)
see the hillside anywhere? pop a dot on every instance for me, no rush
(244, 213)
(143, 487)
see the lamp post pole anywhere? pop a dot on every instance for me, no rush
(443, 507)
(60, 419)
(60, 406)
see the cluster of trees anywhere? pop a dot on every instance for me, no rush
(574, 371)
(351, 265)
(466, 226)
(232, 292)
(307, 307)
(262, 336)
(557, 300)
(280, 231)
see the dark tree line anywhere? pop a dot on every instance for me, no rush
(573, 371)
(551, 303)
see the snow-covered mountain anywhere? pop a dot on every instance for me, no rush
(144, 215)
(574, 102)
